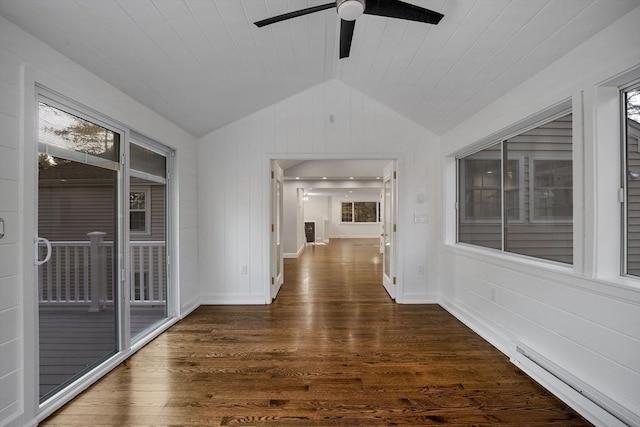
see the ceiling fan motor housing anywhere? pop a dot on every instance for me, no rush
(350, 10)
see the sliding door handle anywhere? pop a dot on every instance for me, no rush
(37, 242)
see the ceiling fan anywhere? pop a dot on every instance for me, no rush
(350, 10)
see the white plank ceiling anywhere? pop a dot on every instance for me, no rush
(203, 64)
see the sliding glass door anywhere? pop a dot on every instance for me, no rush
(78, 234)
(102, 247)
(147, 236)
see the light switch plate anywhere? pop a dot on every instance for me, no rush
(419, 218)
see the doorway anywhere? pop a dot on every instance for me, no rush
(343, 198)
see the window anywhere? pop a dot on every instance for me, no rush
(552, 190)
(139, 210)
(517, 194)
(360, 212)
(631, 127)
(481, 186)
(347, 212)
(481, 196)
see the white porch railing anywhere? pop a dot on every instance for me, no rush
(78, 273)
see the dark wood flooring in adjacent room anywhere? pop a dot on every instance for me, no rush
(333, 350)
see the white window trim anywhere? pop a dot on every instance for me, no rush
(147, 209)
(626, 133)
(532, 162)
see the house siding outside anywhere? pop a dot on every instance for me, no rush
(525, 235)
(633, 199)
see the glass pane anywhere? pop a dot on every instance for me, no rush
(387, 227)
(61, 129)
(147, 252)
(279, 202)
(632, 98)
(480, 204)
(137, 221)
(542, 227)
(77, 213)
(364, 211)
(148, 161)
(347, 212)
(137, 200)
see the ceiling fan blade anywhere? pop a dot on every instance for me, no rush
(294, 14)
(346, 35)
(401, 10)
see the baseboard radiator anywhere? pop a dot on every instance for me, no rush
(589, 402)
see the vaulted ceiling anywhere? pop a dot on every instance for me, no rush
(203, 64)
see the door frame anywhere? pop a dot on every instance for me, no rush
(390, 282)
(276, 213)
(33, 82)
(268, 158)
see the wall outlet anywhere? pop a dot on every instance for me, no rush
(244, 269)
(493, 294)
(421, 269)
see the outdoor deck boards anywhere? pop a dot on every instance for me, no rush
(72, 338)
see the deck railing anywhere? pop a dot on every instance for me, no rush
(78, 273)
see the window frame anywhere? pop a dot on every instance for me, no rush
(532, 188)
(353, 213)
(147, 209)
(462, 191)
(624, 179)
(550, 115)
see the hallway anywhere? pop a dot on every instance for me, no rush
(332, 350)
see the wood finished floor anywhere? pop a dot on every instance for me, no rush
(333, 350)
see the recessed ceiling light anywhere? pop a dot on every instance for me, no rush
(350, 177)
(324, 177)
(297, 177)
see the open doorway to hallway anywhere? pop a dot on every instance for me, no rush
(320, 200)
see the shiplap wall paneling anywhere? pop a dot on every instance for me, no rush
(10, 280)
(563, 323)
(343, 124)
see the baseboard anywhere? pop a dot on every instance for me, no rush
(188, 308)
(15, 419)
(294, 255)
(417, 299)
(348, 236)
(232, 299)
(480, 327)
(596, 407)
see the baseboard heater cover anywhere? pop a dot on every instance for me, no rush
(592, 404)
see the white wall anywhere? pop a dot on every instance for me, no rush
(237, 159)
(292, 221)
(23, 61)
(582, 318)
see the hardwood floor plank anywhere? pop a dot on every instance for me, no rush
(332, 350)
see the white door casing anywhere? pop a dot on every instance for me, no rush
(389, 229)
(275, 224)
